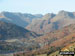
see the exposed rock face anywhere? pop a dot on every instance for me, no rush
(51, 22)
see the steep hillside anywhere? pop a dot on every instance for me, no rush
(52, 22)
(58, 30)
(53, 41)
(12, 36)
(43, 25)
(11, 31)
(54, 47)
(57, 39)
(56, 35)
(19, 19)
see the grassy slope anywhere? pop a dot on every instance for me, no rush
(68, 40)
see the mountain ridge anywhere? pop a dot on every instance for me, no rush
(60, 20)
(18, 18)
(12, 31)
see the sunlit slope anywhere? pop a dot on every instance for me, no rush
(66, 43)
(70, 47)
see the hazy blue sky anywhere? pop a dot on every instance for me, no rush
(37, 6)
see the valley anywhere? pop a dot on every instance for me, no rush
(36, 35)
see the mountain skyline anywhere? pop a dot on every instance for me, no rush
(38, 6)
(36, 13)
(33, 33)
(39, 23)
(51, 22)
(37, 27)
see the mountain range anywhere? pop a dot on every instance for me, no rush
(14, 38)
(30, 35)
(52, 22)
(38, 23)
(12, 31)
(53, 42)
(19, 19)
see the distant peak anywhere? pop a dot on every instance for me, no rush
(66, 13)
(62, 12)
(5, 12)
(49, 15)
